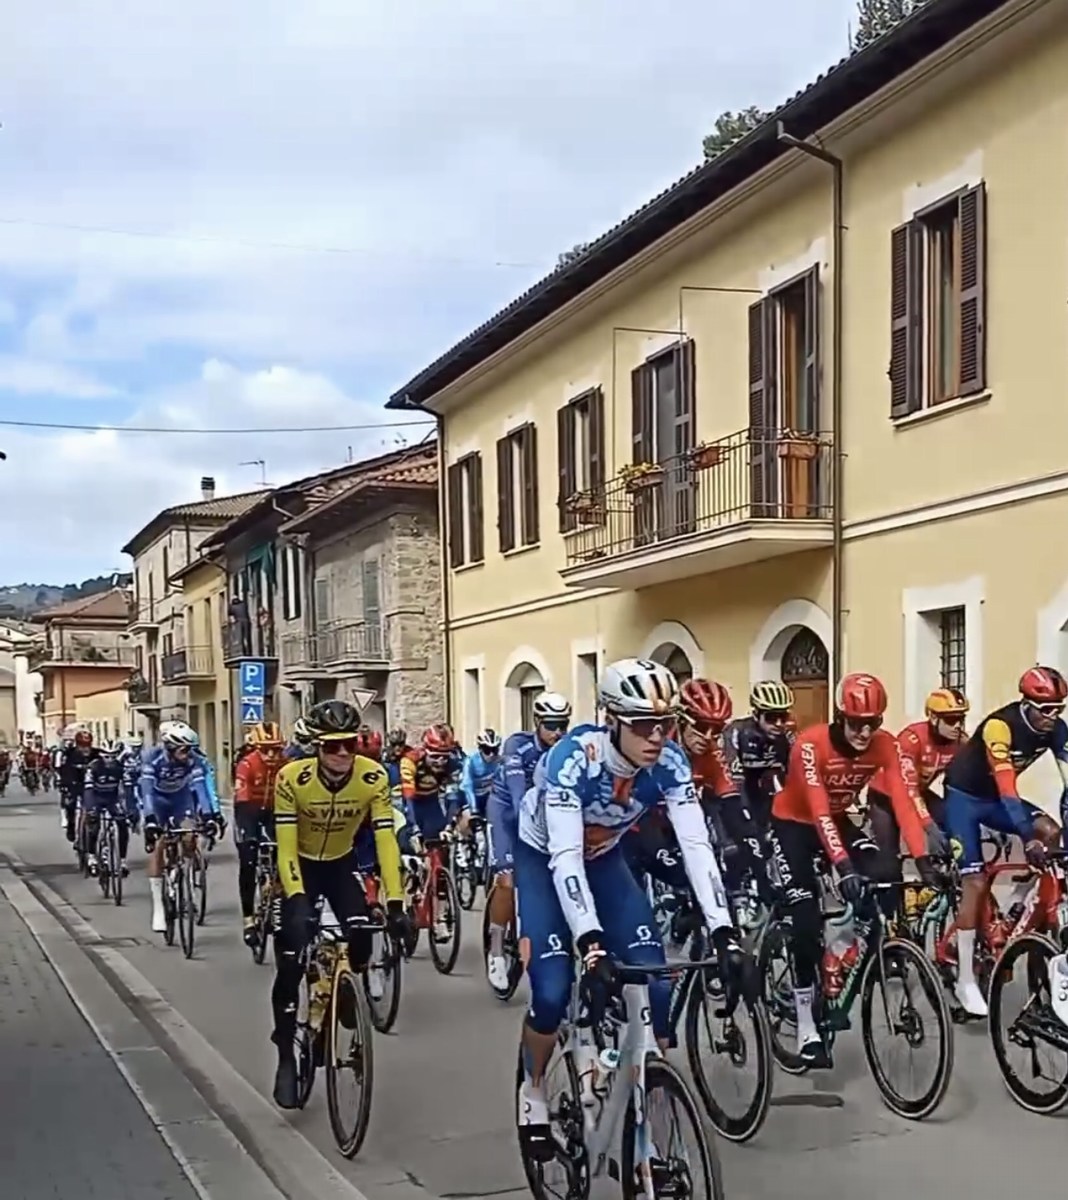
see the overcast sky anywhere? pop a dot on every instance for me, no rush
(268, 213)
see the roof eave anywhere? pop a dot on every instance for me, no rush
(333, 511)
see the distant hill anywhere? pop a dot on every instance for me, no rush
(23, 599)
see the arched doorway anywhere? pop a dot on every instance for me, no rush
(524, 685)
(675, 659)
(805, 668)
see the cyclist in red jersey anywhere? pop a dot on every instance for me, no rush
(830, 765)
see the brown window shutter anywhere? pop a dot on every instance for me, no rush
(678, 497)
(597, 448)
(811, 417)
(505, 496)
(685, 397)
(528, 444)
(474, 483)
(906, 316)
(454, 513)
(972, 208)
(565, 450)
(641, 413)
(762, 410)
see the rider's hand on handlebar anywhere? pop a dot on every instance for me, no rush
(1036, 854)
(854, 889)
(600, 981)
(937, 843)
(930, 872)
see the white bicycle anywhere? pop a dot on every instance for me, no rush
(616, 1105)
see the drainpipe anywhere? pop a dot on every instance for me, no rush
(837, 473)
(443, 560)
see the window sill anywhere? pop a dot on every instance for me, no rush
(517, 550)
(944, 409)
(471, 566)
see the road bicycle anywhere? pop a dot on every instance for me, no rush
(382, 979)
(203, 844)
(179, 900)
(615, 1090)
(267, 906)
(1039, 935)
(876, 974)
(437, 906)
(332, 1009)
(108, 862)
(470, 863)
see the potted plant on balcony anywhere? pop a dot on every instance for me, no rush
(585, 507)
(705, 455)
(637, 477)
(801, 447)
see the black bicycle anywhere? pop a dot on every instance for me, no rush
(267, 911)
(880, 976)
(470, 863)
(108, 862)
(179, 903)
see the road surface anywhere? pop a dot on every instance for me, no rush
(442, 1116)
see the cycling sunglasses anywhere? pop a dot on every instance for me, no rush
(339, 745)
(775, 716)
(648, 727)
(1047, 710)
(555, 724)
(705, 729)
(863, 724)
(950, 719)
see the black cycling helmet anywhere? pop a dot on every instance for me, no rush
(333, 719)
(397, 737)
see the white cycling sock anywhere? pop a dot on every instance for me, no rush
(965, 956)
(806, 1024)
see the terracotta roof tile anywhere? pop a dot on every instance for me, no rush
(109, 605)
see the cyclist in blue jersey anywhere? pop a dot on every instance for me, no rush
(301, 745)
(173, 790)
(131, 780)
(480, 771)
(520, 754)
(574, 885)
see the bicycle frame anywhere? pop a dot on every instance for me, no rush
(435, 865)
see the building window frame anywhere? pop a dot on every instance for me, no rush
(924, 611)
(518, 518)
(580, 448)
(464, 511)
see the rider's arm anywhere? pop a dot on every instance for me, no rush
(285, 832)
(804, 774)
(902, 793)
(210, 791)
(515, 776)
(910, 752)
(687, 818)
(198, 785)
(997, 742)
(732, 754)
(467, 783)
(242, 782)
(148, 787)
(385, 831)
(407, 777)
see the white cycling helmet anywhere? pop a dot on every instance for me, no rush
(178, 733)
(488, 739)
(551, 706)
(110, 747)
(301, 731)
(134, 743)
(637, 687)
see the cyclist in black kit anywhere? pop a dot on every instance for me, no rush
(756, 748)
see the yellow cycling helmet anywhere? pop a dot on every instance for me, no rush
(946, 702)
(266, 733)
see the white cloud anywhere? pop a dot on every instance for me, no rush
(416, 146)
(89, 492)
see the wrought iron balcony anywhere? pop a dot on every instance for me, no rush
(248, 639)
(81, 654)
(752, 495)
(188, 663)
(352, 645)
(144, 615)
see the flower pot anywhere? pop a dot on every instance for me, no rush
(799, 449)
(703, 457)
(643, 480)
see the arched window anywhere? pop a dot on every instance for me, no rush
(805, 659)
(527, 684)
(679, 665)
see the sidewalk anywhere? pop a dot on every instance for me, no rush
(70, 1125)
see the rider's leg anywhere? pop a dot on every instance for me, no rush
(289, 945)
(965, 816)
(163, 813)
(246, 837)
(502, 895)
(794, 849)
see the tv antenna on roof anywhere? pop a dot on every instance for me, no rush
(262, 464)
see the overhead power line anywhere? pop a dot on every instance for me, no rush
(289, 247)
(61, 425)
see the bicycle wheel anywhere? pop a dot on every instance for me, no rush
(445, 910)
(511, 953)
(386, 963)
(350, 1025)
(775, 965)
(170, 902)
(727, 1042)
(200, 883)
(187, 913)
(116, 864)
(305, 1042)
(262, 928)
(878, 995)
(466, 886)
(566, 1122)
(1036, 1026)
(103, 861)
(698, 1174)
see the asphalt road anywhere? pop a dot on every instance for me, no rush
(442, 1117)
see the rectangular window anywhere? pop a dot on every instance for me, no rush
(292, 581)
(580, 455)
(464, 510)
(517, 488)
(663, 393)
(952, 638)
(527, 696)
(938, 304)
(586, 687)
(166, 571)
(372, 607)
(472, 704)
(322, 602)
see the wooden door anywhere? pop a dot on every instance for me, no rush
(805, 669)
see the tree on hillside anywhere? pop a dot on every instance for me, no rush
(569, 256)
(729, 127)
(874, 18)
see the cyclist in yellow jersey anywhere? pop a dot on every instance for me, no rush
(319, 804)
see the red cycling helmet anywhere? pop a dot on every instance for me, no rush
(1043, 685)
(705, 702)
(368, 742)
(83, 738)
(860, 697)
(438, 739)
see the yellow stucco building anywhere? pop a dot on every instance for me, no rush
(642, 452)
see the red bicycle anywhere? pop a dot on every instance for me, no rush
(437, 906)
